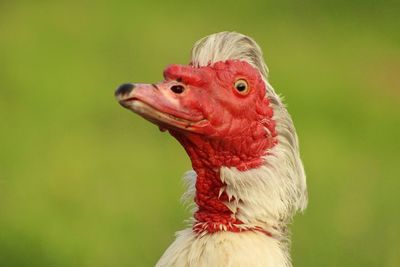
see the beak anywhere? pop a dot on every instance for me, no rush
(124, 89)
(160, 104)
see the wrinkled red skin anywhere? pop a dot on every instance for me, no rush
(234, 136)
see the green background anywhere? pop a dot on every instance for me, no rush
(84, 182)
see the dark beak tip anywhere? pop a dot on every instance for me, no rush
(124, 89)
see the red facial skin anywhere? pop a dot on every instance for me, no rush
(225, 128)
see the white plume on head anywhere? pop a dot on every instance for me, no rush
(272, 194)
(228, 45)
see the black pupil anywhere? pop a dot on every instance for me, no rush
(241, 87)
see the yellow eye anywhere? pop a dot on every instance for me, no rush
(242, 87)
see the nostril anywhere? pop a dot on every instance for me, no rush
(177, 89)
(125, 88)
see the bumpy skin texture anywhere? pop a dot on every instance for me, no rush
(240, 127)
(217, 125)
(240, 132)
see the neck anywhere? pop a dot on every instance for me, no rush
(212, 214)
(216, 206)
(259, 198)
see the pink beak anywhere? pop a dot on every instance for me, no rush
(160, 104)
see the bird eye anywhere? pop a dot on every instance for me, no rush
(242, 87)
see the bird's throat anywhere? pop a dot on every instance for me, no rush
(213, 215)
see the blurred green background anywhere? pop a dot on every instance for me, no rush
(84, 182)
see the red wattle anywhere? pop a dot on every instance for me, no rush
(240, 132)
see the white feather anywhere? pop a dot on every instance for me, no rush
(224, 249)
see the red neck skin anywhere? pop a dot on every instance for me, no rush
(208, 156)
(239, 132)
